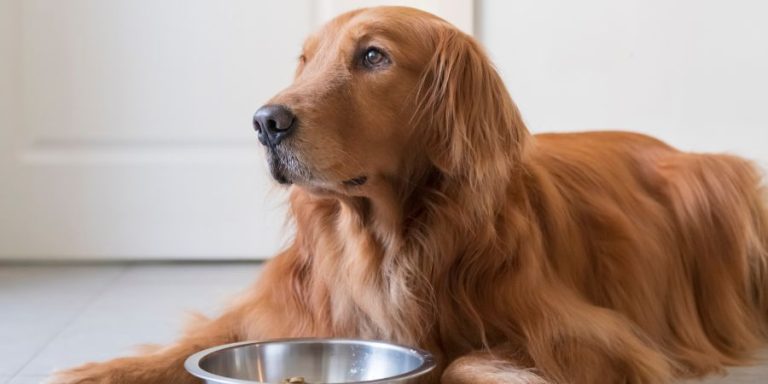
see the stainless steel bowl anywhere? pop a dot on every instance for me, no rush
(311, 361)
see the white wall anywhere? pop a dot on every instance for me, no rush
(9, 72)
(692, 72)
(459, 12)
(124, 124)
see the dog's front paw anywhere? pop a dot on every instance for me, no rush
(92, 373)
(150, 369)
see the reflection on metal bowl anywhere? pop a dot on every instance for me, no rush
(313, 361)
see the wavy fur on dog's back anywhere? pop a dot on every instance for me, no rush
(675, 242)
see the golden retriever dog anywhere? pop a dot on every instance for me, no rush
(426, 214)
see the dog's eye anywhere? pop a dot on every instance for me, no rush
(373, 58)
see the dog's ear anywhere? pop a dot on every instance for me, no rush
(471, 128)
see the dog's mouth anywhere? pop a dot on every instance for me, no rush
(356, 181)
(285, 166)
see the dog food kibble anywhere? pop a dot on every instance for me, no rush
(294, 380)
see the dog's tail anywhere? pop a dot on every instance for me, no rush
(757, 244)
(722, 211)
(760, 254)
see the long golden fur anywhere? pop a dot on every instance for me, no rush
(600, 257)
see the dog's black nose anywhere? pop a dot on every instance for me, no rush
(273, 123)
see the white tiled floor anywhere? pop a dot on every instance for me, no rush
(54, 317)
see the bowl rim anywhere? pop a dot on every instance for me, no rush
(192, 363)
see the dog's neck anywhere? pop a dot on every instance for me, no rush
(388, 253)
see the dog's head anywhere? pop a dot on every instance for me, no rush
(382, 93)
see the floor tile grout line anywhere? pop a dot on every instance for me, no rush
(126, 268)
(77, 315)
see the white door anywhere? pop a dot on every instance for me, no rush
(125, 125)
(130, 130)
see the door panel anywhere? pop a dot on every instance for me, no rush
(132, 138)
